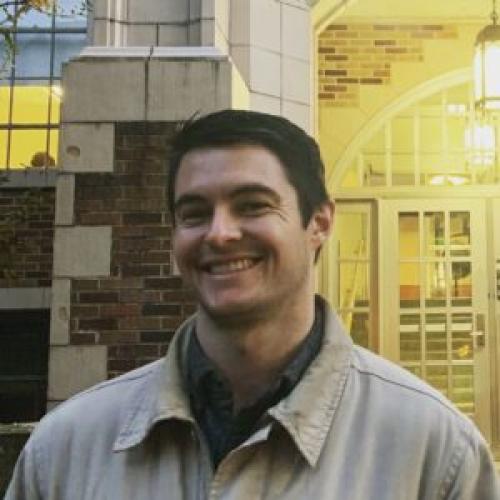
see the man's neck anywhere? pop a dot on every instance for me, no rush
(251, 355)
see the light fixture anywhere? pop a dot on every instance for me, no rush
(487, 66)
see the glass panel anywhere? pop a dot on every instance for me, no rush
(461, 340)
(351, 177)
(437, 376)
(435, 337)
(53, 148)
(70, 13)
(26, 145)
(434, 234)
(431, 139)
(432, 169)
(354, 285)
(402, 134)
(460, 234)
(409, 245)
(3, 148)
(67, 45)
(374, 170)
(4, 103)
(35, 18)
(31, 104)
(55, 104)
(463, 388)
(410, 347)
(359, 328)
(416, 370)
(352, 231)
(435, 284)
(456, 133)
(33, 57)
(409, 285)
(403, 172)
(461, 289)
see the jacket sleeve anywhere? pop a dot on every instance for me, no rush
(476, 477)
(24, 484)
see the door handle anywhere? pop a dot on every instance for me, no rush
(479, 333)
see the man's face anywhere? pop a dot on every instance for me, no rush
(239, 240)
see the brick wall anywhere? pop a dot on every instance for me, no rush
(136, 310)
(351, 56)
(26, 236)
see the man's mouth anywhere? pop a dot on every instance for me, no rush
(230, 266)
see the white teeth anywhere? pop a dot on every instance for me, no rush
(232, 266)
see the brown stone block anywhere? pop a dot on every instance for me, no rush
(170, 283)
(384, 27)
(381, 43)
(98, 324)
(337, 27)
(326, 50)
(78, 285)
(78, 311)
(161, 310)
(138, 244)
(121, 337)
(171, 323)
(371, 81)
(158, 257)
(157, 336)
(123, 283)
(98, 297)
(396, 50)
(140, 270)
(335, 72)
(82, 338)
(139, 323)
(142, 218)
(115, 310)
(143, 192)
(100, 219)
(122, 365)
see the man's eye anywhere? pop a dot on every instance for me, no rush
(191, 217)
(253, 207)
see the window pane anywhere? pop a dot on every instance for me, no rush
(409, 338)
(409, 285)
(461, 289)
(374, 170)
(403, 169)
(460, 234)
(463, 388)
(31, 104)
(354, 285)
(55, 103)
(35, 18)
(435, 337)
(402, 134)
(434, 234)
(408, 235)
(26, 145)
(33, 57)
(67, 45)
(71, 13)
(431, 135)
(53, 148)
(4, 103)
(352, 233)
(3, 148)
(437, 376)
(435, 289)
(461, 340)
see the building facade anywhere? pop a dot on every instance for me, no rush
(413, 267)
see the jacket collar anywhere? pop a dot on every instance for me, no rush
(306, 413)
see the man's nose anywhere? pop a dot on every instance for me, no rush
(224, 228)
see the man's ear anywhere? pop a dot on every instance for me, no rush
(321, 224)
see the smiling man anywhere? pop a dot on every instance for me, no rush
(262, 395)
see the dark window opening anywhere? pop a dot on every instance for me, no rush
(24, 352)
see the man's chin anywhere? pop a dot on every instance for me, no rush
(233, 312)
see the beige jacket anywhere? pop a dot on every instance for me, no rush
(355, 428)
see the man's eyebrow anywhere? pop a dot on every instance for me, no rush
(252, 188)
(255, 188)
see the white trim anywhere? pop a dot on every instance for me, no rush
(29, 178)
(418, 93)
(198, 52)
(25, 298)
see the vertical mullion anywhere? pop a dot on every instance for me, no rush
(422, 283)
(360, 169)
(445, 158)
(416, 146)
(388, 154)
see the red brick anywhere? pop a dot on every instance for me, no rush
(98, 324)
(98, 297)
(122, 337)
(120, 310)
(163, 283)
(141, 218)
(77, 338)
(161, 310)
(157, 336)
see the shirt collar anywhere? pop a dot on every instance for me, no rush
(306, 413)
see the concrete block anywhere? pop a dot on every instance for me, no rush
(300, 114)
(296, 77)
(221, 16)
(171, 35)
(65, 200)
(87, 147)
(25, 298)
(207, 8)
(174, 88)
(75, 368)
(296, 40)
(265, 103)
(141, 34)
(100, 32)
(241, 58)
(111, 9)
(239, 29)
(158, 11)
(265, 25)
(265, 72)
(104, 90)
(60, 312)
(82, 251)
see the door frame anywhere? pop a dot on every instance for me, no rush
(389, 284)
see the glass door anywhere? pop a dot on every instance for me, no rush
(435, 291)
